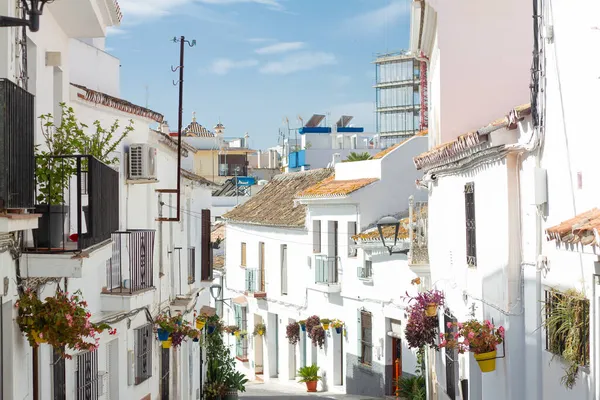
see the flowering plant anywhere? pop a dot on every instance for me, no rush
(336, 323)
(166, 323)
(311, 322)
(259, 329)
(178, 330)
(231, 328)
(292, 333)
(318, 336)
(423, 299)
(62, 321)
(420, 329)
(473, 336)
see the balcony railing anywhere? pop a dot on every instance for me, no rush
(254, 281)
(78, 197)
(17, 162)
(326, 269)
(131, 267)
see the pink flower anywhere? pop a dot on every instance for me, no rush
(449, 325)
(501, 331)
(471, 335)
(466, 342)
(460, 325)
(456, 335)
(488, 324)
(441, 335)
(443, 343)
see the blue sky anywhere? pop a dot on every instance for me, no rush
(258, 61)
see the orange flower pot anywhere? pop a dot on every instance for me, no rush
(311, 386)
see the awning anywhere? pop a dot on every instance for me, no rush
(241, 301)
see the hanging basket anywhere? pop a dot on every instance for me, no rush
(486, 361)
(210, 329)
(325, 326)
(37, 338)
(236, 334)
(200, 324)
(163, 335)
(167, 344)
(431, 310)
(303, 327)
(338, 329)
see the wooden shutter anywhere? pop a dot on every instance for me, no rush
(351, 232)
(206, 267)
(359, 334)
(284, 273)
(316, 236)
(243, 254)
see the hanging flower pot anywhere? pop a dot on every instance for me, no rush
(486, 361)
(163, 335)
(338, 329)
(302, 325)
(338, 325)
(236, 334)
(431, 310)
(325, 323)
(200, 323)
(37, 338)
(210, 329)
(167, 344)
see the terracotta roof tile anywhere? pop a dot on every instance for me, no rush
(274, 204)
(333, 188)
(583, 228)
(385, 152)
(470, 140)
(372, 234)
(116, 103)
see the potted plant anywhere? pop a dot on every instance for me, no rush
(166, 326)
(292, 333)
(259, 329)
(318, 336)
(420, 330)
(231, 329)
(311, 322)
(325, 322)
(243, 333)
(201, 321)
(62, 321)
(476, 337)
(338, 325)
(235, 382)
(302, 324)
(309, 375)
(212, 323)
(429, 301)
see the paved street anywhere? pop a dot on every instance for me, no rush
(287, 391)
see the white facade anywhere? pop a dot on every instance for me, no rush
(293, 291)
(57, 59)
(518, 193)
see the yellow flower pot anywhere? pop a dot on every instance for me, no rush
(37, 338)
(431, 310)
(325, 326)
(237, 334)
(261, 332)
(200, 324)
(167, 344)
(486, 361)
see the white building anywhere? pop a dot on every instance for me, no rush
(507, 187)
(126, 264)
(291, 253)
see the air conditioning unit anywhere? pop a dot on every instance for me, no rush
(102, 383)
(142, 161)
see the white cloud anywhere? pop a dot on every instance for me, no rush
(378, 19)
(223, 66)
(280, 48)
(149, 8)
(112, 31)
(298, 62)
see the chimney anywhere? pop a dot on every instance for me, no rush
(259, 155)
(246, 137)
(164, 127)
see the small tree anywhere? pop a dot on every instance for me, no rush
(357, 157)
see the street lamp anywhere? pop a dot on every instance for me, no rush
(33, 8)
(215, 291)
(390, 222)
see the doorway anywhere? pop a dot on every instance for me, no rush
(396, 365)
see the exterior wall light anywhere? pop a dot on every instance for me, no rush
(390, 222)
(215, 291)
(33, 8)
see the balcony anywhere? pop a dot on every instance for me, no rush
(85, 18)
(79, 207)
(255, 283)
(418, 260)
(17, 162)
(129, 271)
(326, 273)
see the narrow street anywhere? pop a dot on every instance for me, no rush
(282, 391)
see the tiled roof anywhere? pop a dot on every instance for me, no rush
(385, 152)
(197, 178)
(117, 10)
(470, 140)
(167, 140)
(274, 204)
(583, 228)
(116, 103)
(218, 231)
(333, 188)
(218, 262)
(372, 234)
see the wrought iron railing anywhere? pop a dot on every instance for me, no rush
(17, 135)
(78, 197)
(241, 348)
(419, 252)
(326, 269)
(131, 267)
(86, 376)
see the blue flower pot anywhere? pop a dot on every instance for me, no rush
(303, 328)
(196, 340)
(210, 329)
(163, 335)
(338, 330)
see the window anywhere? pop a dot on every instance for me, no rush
(284, 273)
(143, 353)
(206, 261)
(316, 236)
(58, 376)
(261, 267)
(557, 319)
(165, 372)
(243, 263)
(241, 348)
(86, 376)
(366, 271)
(191, 265)
(351, 232)
(365, 337)
(451, 357)
(470, 224)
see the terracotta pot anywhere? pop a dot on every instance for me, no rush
(431, 310)
(311, 386)
(486, 361)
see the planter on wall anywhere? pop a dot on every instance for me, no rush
(486, 361)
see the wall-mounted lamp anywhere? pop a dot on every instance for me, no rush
(33, 8)
(390, 222)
